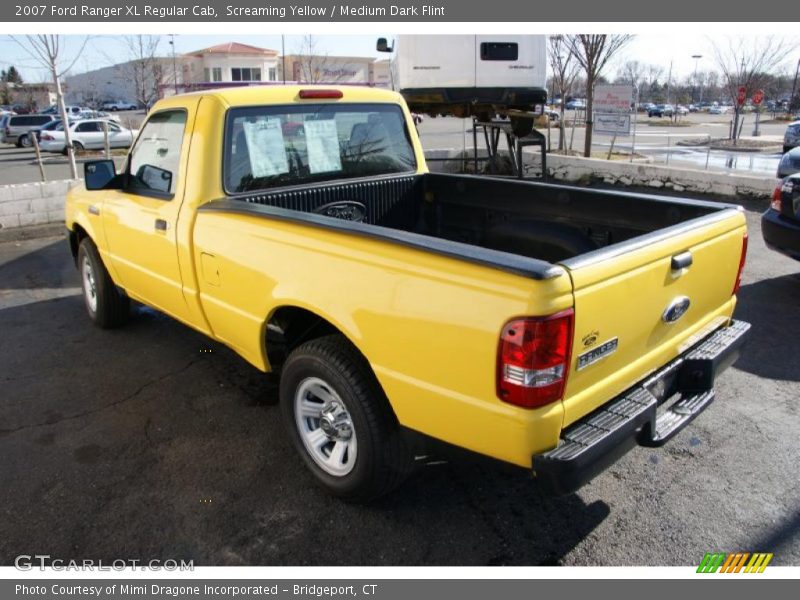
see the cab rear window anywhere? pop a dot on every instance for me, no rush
(275, 146)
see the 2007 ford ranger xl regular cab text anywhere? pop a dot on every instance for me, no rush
(547, 326)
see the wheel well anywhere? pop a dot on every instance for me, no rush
(290, 326)
(76, 236)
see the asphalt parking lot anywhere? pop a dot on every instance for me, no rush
(151, 442)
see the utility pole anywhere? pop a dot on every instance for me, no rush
(174, 64)
(696, 58)
(669, 81)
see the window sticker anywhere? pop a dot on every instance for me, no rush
(322, 145)
(266, 147)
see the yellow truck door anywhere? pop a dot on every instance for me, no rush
(640, 306)
(141, 219)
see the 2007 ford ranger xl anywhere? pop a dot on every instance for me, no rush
(547, 326)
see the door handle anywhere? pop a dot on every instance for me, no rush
(161, 225)
(681, 261)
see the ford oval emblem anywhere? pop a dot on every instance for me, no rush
(348, 210)
(676, 309)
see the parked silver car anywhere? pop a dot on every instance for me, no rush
(17, 129)
(791, 138)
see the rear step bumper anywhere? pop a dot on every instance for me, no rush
(641, 415)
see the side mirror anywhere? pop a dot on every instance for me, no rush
(383, 46)
(98, 174)
(154, 178)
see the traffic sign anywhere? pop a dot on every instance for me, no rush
(758, 97)
(741, 96)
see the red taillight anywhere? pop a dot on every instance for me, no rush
(533, 359)
(320, 94)
(776, 203)
(742, 260)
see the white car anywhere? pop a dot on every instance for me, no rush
(98, 114)
(88, 135)
(719, 110)
(115, 106)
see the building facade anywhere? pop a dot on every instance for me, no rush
(227, 64)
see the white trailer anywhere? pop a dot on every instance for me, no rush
(469, 75)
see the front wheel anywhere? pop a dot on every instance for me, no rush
(340, 420)
(107, 306)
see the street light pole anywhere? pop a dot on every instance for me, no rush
(696, 58)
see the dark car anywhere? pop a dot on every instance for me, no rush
(780, 224)
(790, 163)
(661, 110)
(791, 138)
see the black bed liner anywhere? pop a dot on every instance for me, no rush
(478, 219)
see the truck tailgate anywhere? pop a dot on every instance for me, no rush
(641, 303)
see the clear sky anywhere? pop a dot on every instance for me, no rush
(105, 50)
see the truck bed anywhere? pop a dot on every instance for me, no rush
(520, 226)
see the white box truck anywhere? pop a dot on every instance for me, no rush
(469, 75)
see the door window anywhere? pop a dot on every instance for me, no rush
(155, 159)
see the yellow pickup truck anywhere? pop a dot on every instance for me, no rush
(547, 326)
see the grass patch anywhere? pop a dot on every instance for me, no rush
(666, 123)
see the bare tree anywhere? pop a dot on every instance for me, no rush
(47, 51)
(565, 69)
(632, 73)
(143, 68)
(744, 62)
(594, 52)
(316, 66)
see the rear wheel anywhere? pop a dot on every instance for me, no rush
(340, 420)
(25, 141)
(107, 306)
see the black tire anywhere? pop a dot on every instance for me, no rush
(111, 307)
(786, 149)
(382, 460)
(521, 126)
(24, 141)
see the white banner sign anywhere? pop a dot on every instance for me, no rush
(612, 123)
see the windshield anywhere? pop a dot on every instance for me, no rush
(271, 146)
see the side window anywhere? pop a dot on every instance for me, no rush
(155, 159)
(113, 126)
(86, 127)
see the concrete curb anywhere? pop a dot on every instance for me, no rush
(31, 232)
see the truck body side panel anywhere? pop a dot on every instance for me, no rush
(428, 324)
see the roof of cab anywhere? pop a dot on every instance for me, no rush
(285, 94)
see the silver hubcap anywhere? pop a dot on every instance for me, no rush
(325, 426)
(89, 285)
